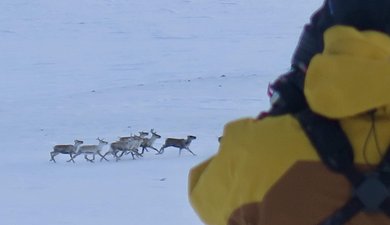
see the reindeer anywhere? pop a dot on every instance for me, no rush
(92, 150)
(130, 146)
(148, 142)
(65, 149)
(178, 143)
(134, 144)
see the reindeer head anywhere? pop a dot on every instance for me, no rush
(154, 133)
(77, 142)
(101, 141)
(190, 137)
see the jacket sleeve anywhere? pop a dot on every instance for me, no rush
(251, 158)
(212, 183)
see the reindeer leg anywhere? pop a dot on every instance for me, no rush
(135, 152)
(120, 156)
(71, 158)
(117, 158)
(91, 160)
(86, 158)
(132, 155)
(123, 152)
(161, 150)
(102, 157)
(155, 149)
(52, 154)
(188, 149)
(115, 153)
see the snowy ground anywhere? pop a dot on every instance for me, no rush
(82, 69)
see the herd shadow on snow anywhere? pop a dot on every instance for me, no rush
(134, 145)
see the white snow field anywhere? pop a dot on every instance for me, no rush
(83, 69)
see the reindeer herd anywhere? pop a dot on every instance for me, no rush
(135, 145)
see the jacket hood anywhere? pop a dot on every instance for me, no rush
(352, 75)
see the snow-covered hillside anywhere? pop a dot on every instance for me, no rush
(82, 69)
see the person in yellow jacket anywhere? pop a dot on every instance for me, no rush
(267, 171)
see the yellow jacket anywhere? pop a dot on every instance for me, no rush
(266, 172)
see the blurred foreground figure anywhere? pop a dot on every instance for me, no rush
(320, 155)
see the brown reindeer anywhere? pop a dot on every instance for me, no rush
(178, 143)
